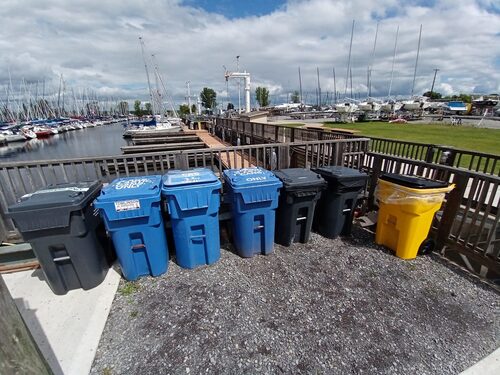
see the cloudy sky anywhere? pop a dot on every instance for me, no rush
(94, 43)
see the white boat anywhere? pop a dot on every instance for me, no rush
(369, 106)
(346, 107)
(411, 105)
(28, 133)
(13, 137)
(391, 106)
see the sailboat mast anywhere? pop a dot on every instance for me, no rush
(319, 88)
(416, 61)
(147, 74)
(370, 67)
(300, 87)
(334, 87)
(349, 61)
(393, 61)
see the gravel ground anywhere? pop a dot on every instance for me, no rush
(329, 306)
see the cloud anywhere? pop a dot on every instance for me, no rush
(95, 44)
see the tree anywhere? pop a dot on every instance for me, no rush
(123, 108)
(296, 97)
(433, 95)
(149, 109)
(208, 96)
(230, 106)
(137, 108)
(262, 95)
(184, 109)
(193, 108)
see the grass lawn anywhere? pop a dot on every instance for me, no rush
(461, 137)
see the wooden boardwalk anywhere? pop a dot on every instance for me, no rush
(228, 159)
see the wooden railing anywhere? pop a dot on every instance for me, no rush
(469, 160)
(468, 224)
(252, 133)
(241, 132)
(20, 178)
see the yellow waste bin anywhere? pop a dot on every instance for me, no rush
(407, 206)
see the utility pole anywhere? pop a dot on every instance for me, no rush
(434, 81)
(239, 84)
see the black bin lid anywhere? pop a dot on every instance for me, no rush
(51, 207)
(75, 195)
(300, 179)
(341, 174)
(412, 181)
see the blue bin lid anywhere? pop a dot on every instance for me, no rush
(131, 187)
(250, 177)
(195, 176)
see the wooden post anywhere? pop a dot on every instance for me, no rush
(276, 134)
(19, 353)
(451, 209)
(181, 161)
(284, 157)
(376, 169)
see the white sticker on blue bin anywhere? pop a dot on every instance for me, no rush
(129, 205)
(248, 171)
(191, 176)
(132, 184)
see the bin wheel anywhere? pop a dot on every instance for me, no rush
(427, 246)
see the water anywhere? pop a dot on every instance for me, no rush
(104, 140)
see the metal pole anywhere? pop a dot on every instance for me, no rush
(300, 87)
(416, 61)
(349, 61)
(239, 83)
(147, 75)
(393, 60)
(334, 86)
(319, 89)
(371, 63)
(189, 96)
(433, 81)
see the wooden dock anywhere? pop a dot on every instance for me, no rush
(162, 147)
(228, 160)
(163, 140)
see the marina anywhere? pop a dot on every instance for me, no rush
(184, 191)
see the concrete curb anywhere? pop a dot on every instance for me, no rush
(486, 366)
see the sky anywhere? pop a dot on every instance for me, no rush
(94, 44)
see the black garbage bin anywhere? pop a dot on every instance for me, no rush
(294, 216)
(336, 206)
(66, 234)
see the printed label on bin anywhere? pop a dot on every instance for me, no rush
(250, 176)
(132, 204)
(200, 175)
(189, 177)
(132, 183)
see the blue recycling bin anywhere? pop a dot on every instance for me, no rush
(131, 209)
(253, 194)
(193, 200)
